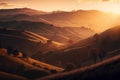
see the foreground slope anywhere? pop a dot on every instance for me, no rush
(8, 76)
(108, 69)
(26, 67)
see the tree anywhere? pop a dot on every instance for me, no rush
(96, 38)
(15, 52)
(106, 41)
(9, 50)
(25, 56)
(49, 41)
(93, 53)
(102, 54)
(83, 27)
(69, 67)
(53, 71)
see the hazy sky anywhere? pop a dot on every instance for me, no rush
(66, 5)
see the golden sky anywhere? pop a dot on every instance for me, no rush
(65, 5)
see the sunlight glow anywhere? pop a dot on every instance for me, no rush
(65, 5)
(112, 7)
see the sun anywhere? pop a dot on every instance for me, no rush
(103, 5)
(112, 7)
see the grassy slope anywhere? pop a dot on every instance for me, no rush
(44, 65)
(76, 56)
(29, 42)
(17, 66)
(108, 69)
(24, 67)
(56, 33)
(40, 38)
(79, 53)
(8, 76)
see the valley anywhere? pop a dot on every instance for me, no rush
(59, 45)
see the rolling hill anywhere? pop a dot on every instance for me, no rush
(105, 70)
(80, 54)
(26, 41)
(26, 67)
(63, 39)
(59, 34)
(93, 19)
(22, 17)
(21, 14)
(97, 20)
(21, 11)
(8, 76)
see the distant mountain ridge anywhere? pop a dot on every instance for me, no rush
(93, 19)
(96, 20)
(15, 11)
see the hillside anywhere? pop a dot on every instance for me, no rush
(24, 66)
(8, 76)
(97, 20)
(22, 17)
(62, 35)
(21, 14)
(21, 11)
(108, 39)
(93, 19)
(26, 41)
(106, 70)
(87, 51)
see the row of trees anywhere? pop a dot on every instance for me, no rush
(97, 54)
(15, 52)
(97, 51)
